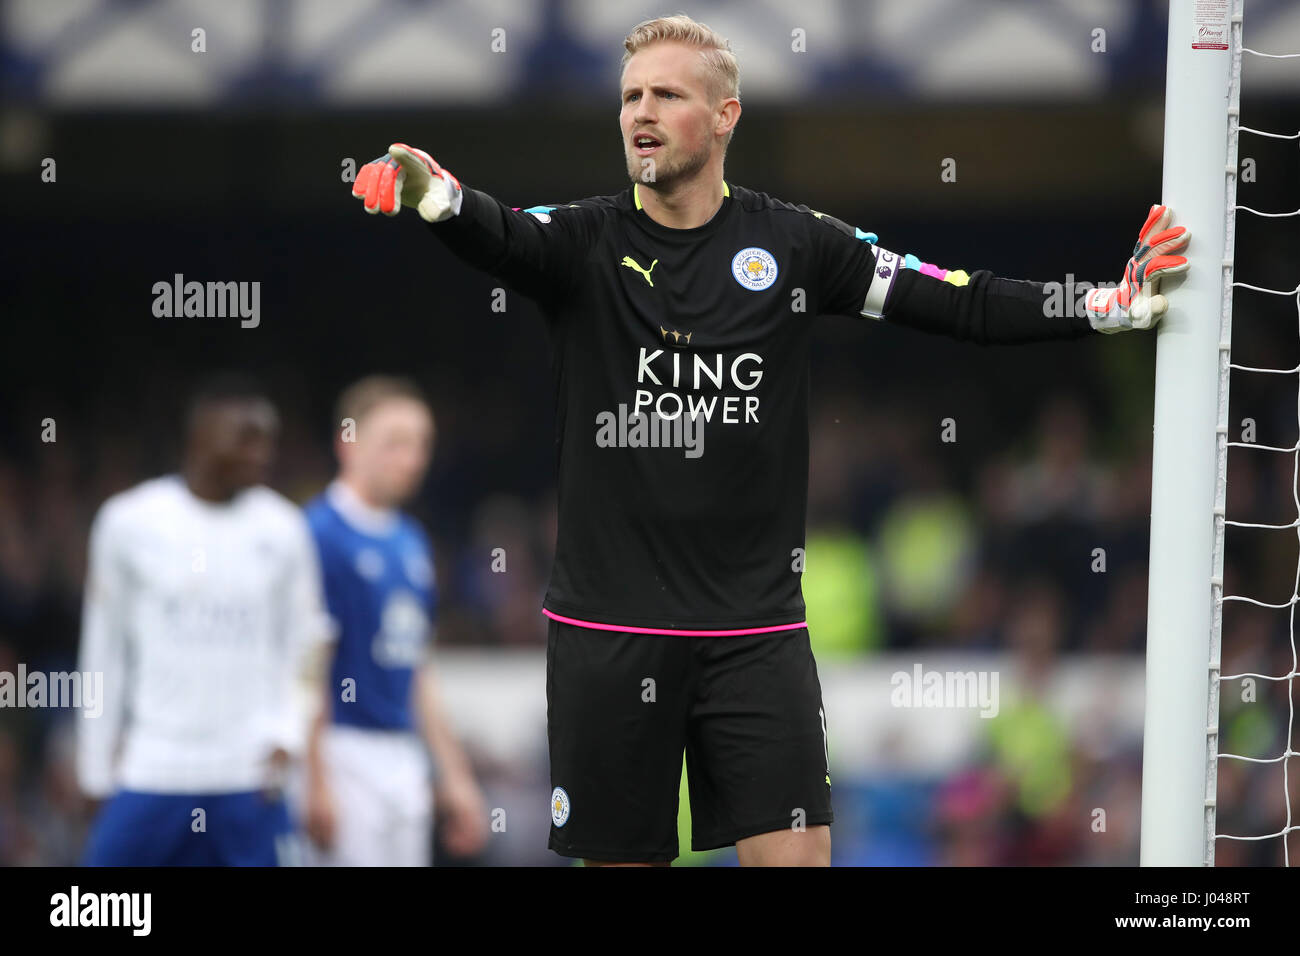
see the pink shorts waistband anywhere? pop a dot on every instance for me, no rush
(664, 630)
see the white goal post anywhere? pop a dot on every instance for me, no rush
(1180, 737)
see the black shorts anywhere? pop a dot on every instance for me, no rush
(622, 707)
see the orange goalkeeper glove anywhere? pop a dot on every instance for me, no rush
(406, 176)
(1136, 302)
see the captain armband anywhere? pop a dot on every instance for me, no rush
(882, 280)
(888, 266)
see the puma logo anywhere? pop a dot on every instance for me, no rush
(632, 264)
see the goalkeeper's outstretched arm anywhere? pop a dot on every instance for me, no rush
(988, 310)
(537, 252)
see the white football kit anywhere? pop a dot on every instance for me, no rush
(199, 616)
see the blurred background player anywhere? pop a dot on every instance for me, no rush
(368, 798)
(202, 609)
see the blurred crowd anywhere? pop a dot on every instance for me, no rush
(1038, 547)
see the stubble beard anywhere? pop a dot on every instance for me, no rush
(668, 175)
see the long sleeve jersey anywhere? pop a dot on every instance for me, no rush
(681, 376)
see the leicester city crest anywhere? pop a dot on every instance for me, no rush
(754, 268)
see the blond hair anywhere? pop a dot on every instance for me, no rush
(720, 65)
(359, 398)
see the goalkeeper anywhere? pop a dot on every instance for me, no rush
(682, 305)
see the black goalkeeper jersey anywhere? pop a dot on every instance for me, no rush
(680, 362)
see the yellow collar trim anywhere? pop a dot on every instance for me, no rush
(636, 192)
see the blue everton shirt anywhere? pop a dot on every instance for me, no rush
(379, 587)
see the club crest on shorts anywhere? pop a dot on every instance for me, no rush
(754, 268)
(559, 807)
